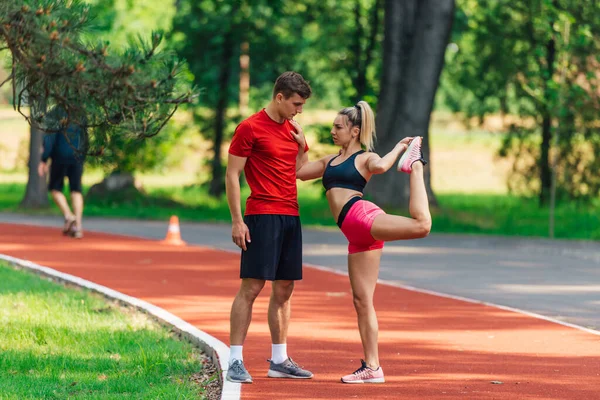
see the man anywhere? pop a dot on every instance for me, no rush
(62, 147)
(269, 234)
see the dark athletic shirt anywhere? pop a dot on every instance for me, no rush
(344, 175)
(62, 146)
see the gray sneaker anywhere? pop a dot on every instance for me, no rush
(237, 372)
(288, 369)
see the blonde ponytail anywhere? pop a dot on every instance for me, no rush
(361, 115)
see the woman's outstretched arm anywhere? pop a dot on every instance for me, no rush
(379, 165)
(313, 169)
(306, 170)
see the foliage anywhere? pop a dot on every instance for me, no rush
(132, 93)
(121, 22)
(128, 155)
(282, 35)
(537, 60)
(322, 132)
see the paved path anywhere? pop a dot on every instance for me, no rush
(431, 347)
(558, 279)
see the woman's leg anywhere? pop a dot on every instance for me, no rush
(363, 269)
(393, 227)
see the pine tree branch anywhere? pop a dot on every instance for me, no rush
(134, 92)
(7, 79)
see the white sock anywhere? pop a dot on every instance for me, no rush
(279, 353)
(235, 353)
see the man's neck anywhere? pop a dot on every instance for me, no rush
(271, 110)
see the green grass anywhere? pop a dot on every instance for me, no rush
(58, 343)
(496, 214)
(194, 204)
(10, 195)
(514, 216)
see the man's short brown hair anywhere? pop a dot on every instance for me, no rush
(291, 82)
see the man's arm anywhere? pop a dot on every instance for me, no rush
(239, 231)
(302, 157)
(47, 147)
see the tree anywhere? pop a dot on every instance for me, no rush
(271, 37)
(365, 46)
(536, 61)
(132, 93)
(36, 192)
(416, 35)
(211, 31)
(340, 71)
(122, 157)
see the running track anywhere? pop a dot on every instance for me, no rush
(431, 347)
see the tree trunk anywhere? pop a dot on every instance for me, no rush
(545, 170)
(244, 78)
(359, 77)
(416, 35)
(217, 185)
(36, 192)
(362, 65)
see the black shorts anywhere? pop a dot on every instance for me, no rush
(275, 250)
(58, 171)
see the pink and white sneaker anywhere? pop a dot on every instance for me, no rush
(412, 154)
(365, 375)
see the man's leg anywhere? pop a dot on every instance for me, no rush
(279, 319)
(279, 312)
(74, 173)
(241, 315)
(241, 310)
(77, 201)
(289, 270)
(56, 184)
(61, 201)
(258, 264)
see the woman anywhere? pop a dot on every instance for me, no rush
(365, 225)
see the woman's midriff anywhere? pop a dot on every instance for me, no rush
(338, 197)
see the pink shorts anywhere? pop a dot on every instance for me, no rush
(356, 226)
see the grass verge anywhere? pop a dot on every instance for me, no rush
(59, 342)
(496, 214)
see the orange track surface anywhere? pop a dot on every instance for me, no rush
(430, 347)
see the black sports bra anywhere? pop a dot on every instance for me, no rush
(344, 175)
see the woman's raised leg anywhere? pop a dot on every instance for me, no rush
(394, 227)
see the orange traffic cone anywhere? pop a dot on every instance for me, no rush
(173, 233)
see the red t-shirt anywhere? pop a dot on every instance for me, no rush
(270, 169)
